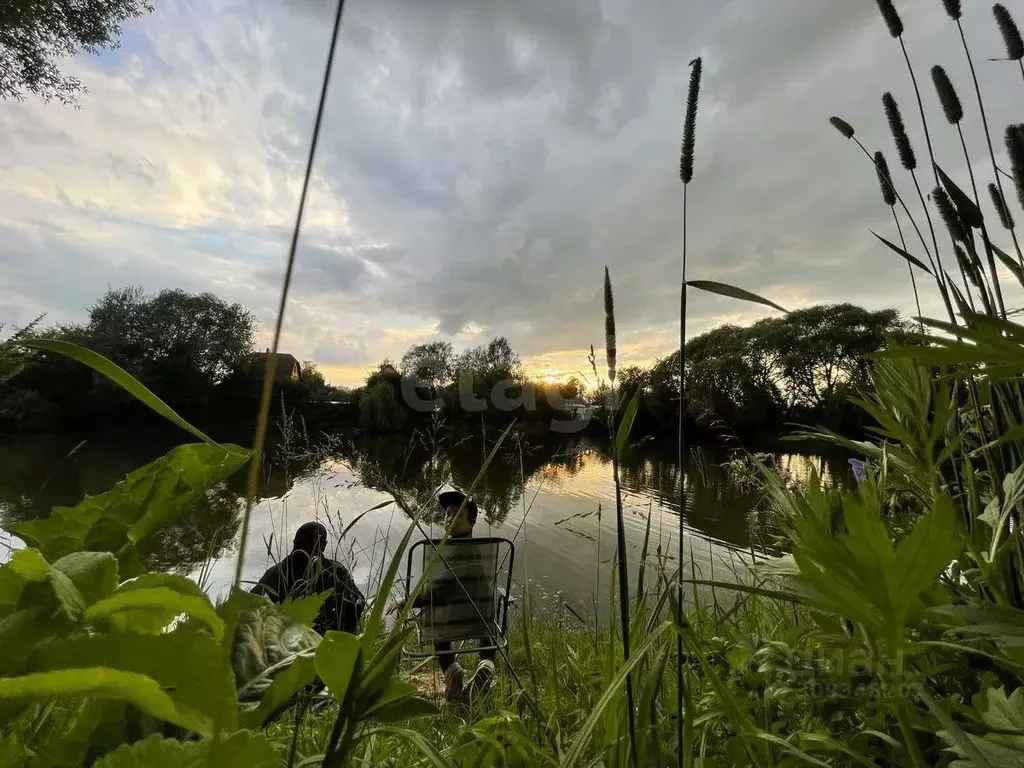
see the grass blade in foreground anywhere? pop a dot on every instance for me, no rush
(118, 375)
(724, 289)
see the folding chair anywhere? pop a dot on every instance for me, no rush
(465, 594)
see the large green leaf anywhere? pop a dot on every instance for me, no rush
(299, 672)
(187, 663)
(23, 630)
(336, 662)
(152, 610)
(94, 574)
(43, 584)
(117, 375)
(724, 289)
(147, 499)
(304, 609)
(240, 750)
(102, 683)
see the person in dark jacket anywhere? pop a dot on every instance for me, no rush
(305, 571)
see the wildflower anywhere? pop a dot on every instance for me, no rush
(860, 469)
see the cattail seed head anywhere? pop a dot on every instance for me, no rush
(690, 122)
(953, 9)
(842, 126)
(899, 133)
(966, 266)
(949, 215)
(1010, 32)
(1005, 217)
(885, 179)
(892, 19)
(1015, 149)
(947, 95)
(609, 325)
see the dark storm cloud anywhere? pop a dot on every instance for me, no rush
(482, 161)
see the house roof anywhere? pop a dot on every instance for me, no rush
(285, 362)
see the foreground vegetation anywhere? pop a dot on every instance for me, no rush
(889, 635)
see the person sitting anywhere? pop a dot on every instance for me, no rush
(305, 571)
(458, 600)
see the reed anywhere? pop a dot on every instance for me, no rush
(686, 158)
(1011, 35)
(889, 198)
(622, 557)
(908, 159)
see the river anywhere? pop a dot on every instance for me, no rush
(544, 496)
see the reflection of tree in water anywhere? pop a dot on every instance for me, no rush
(207, 530)
(38, 473)
(416, 467)
(713, 499)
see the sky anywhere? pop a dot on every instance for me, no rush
(481, 162)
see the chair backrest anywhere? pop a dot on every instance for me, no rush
(460, 595)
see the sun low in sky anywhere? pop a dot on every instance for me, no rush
(482, 161)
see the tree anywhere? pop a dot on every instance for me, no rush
(316, 384)
(572, 389)
(432, 362)
(178, 344)
(492, 363)
(34, 34)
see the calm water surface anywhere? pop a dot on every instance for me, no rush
(546, 497)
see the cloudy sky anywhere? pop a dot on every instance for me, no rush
(481, 162)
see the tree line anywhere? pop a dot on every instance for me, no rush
(795, 369)
(197, 352)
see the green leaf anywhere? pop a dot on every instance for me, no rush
(94, 574)
(923, 555)
(152, 610)
(240, 750)
(724, 289)
(336, 661)
(187, 663)
(300, 672)
(901, 252)
(147, 499)
(22, 631)
(626, 423)
(304, 609)
(401, 701)
(1008, 261)
(45, 584)
(29, 564)
(172, 581)
(965, 206)
(118, 375)
(154, 751)
(102, 683)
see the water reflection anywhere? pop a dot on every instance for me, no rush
(546, 495)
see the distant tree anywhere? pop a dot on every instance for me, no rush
(432, 362)
(379, 408)
(572, 389)
(179, 344)
(13, 356)
(491, 363)
(316, 384)
(35, 34)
